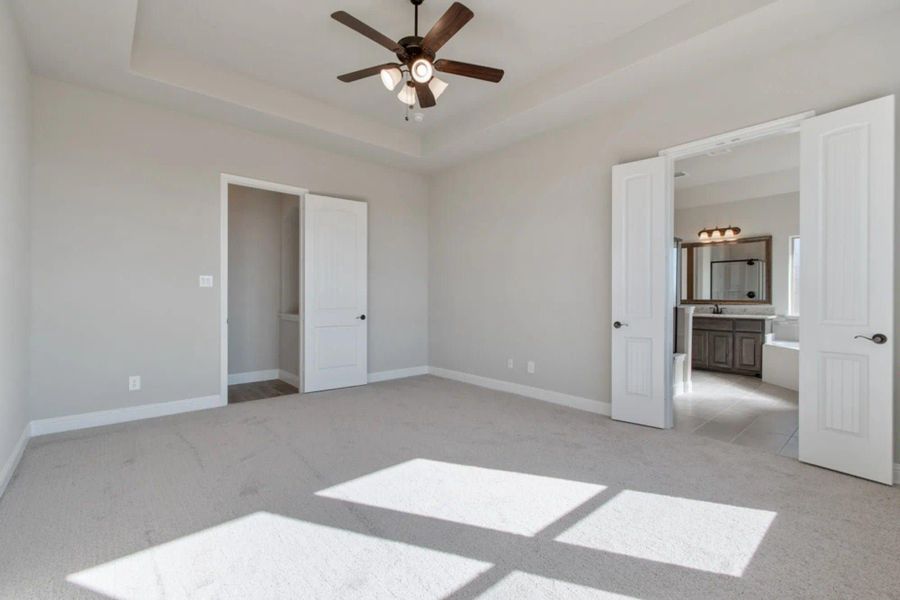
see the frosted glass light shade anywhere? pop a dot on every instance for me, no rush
(391, 77)
(437, 87)
(422, 70)
(407, 95)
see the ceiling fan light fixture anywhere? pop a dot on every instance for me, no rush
(391, 77)
(437, 87)
(407, 95)
(422, 70)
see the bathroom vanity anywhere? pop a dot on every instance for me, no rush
(730, 343)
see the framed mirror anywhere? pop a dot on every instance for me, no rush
(727, 272)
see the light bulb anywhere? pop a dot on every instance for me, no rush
(422, 70)
(407, 95)
(391, 77)
(437, 87)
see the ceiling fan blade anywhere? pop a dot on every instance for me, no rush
(426, 98)
(360, 27)
(468, 70)
(446, 27)
(363, 73)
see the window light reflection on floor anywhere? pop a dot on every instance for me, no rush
(270, 556)
(707, 536)
(500, 500)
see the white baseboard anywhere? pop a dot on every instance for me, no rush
(677, 389)
(12, 462)
(290, 378)
(398, 374)
(586, 404)
(252, 376)
(122, 415)
(896, 473)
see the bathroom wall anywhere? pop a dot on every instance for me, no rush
(778, 216)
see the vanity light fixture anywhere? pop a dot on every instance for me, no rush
(718, 233)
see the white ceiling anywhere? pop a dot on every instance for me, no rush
(769, 155)
(297, 46)
(271, 65)
(758, 169)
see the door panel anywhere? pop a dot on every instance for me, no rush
(748, 351)
(699, 349)
(335, 296)
(720, 345)
(643, 282)
(847, 274)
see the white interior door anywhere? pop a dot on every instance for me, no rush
(643, 285)
(335, 296)
(847, 264)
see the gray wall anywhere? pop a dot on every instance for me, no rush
(520, 239)
(15, 138)
(254, 278)
(126, 216)
(778, 216)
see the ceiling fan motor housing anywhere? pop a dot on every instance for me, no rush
(412, 44)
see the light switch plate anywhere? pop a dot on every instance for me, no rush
(134, 383)
(206, 281)
(531, 366)
(510, 364)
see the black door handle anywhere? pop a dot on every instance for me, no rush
(878, 338)
(619, 324)
(361, 317)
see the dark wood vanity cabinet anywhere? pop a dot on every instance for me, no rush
(732, 345)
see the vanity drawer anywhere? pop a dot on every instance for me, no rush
(750, 325)
(708, 324)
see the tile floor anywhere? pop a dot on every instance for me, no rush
(259, 390)
(741, 410)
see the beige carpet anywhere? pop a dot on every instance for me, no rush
(426, 488)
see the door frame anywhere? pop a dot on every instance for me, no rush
(226, 179)
(744, 135)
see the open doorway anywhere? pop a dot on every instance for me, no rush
(844, 288)
(736, 365)
(262, 333)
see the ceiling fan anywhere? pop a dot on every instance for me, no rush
(417, 54)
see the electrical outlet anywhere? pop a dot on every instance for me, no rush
(134, 383)
(510, 364)
(531, 366)
(206, 281)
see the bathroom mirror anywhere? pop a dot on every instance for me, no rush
(727, 272)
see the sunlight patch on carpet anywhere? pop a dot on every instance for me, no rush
(708, 536)
(264, 555)
(506, 501)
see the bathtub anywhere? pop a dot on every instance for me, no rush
(781, 363)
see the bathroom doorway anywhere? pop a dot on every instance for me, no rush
(845, 294)
(736, 365)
